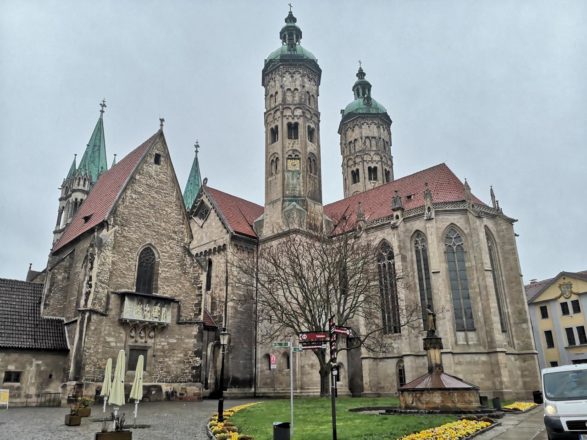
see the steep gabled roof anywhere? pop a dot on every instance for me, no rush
(104, 195)
(238, 214)
(535, 288)
(376, 203)
(21, 324)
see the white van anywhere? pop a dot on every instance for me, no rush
(565, 402)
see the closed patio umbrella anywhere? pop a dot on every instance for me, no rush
(117, 392)
(107, 384)
(136, 391)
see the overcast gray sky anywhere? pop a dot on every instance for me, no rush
(495, 89)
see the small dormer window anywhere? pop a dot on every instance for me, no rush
(157, 159)
(87, 218)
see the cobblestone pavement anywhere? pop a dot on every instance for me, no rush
(167, 420)
(527, 426)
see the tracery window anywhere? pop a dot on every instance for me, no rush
(388, 289)
(146, 271)
(459, 283)
(423, 268)
(497, 280)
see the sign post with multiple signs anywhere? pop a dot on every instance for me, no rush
(333, 371)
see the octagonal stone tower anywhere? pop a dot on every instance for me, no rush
(293, 188)
(365, 141)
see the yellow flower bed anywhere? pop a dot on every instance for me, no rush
(449, 431)
(226, 430)
(520, 406)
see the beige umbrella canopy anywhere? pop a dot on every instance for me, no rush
(107, 384)
(136, 391)
(117, 391)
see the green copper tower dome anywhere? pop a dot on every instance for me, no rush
(291, 51)
(363, 102)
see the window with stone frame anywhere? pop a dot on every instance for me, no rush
(12, 376)
(497, 280)
(459, 281)
(372, 172)
(133, 357)
(274, 131)
(582, 335)
(311, 132)
(570, 336)
(146, 271)
(292, 130)
(312, 164)
(423, 269)
(549, 339)
(401, 374)
(390, 315)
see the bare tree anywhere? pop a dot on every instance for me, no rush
(303, 279)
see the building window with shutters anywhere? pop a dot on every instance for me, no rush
(388, 289)
(459, 282)
(147, 271)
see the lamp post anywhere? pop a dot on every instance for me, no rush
(224, 339)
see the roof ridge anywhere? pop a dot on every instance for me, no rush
(232, 195)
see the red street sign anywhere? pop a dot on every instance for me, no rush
(343, 330)
(313, 346)
(313, 336)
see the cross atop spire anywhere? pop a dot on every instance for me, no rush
(103, 106)
(161, 122)
(360, 64)
(290, 6)
(197, 147)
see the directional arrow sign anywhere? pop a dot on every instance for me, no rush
(281, 345)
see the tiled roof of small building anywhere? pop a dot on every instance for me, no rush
(376, 203)
(103, 196)
(238, 213)
(21, 324)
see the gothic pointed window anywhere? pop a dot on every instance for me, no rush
(423, 268)
(372, 171)
(497, 280)
(146, 271)
(459, 282)
(209, 275)
(388, 289)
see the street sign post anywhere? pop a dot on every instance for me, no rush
(332, 332)
(281, 344)
(273, 361)
(273, 358)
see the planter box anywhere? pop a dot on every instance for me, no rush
(114, 435)
(84, 412)
(71, 420)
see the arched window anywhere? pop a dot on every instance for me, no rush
(497, 280)
(387, 176)
(312, 165)
(274, 134)
(311, 131)
(146, 271)
(209, 275)
(459, 283)
(372, 171)
(421, 252)
(274, 165)
(355, 178)
(388, 289)
(292, 130)
(401, 374)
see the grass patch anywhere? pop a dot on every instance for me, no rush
(312, 418)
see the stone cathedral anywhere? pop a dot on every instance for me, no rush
(138, 264)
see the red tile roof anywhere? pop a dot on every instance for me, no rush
(103, 196)
(376, 203)
(239, 214)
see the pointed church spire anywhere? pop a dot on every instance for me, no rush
(93, 161)
(192, 187)
(73, 168)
